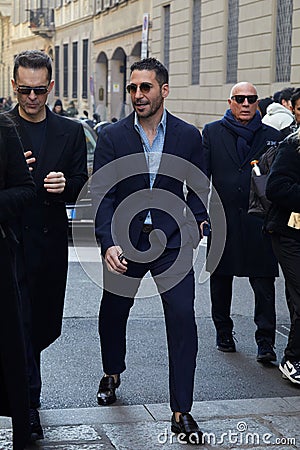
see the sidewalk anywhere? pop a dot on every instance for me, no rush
(271, 423)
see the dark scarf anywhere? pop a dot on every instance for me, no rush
(245, 133)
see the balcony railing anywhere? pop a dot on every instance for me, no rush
(41, 21)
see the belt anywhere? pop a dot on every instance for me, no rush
(147, 228)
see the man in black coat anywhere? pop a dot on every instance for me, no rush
(55, 149)
(17, 190)
(230, 144)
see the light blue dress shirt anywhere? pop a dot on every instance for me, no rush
(152, 153)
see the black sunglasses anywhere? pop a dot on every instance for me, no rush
(26, 90)
(241, 98)
(144, 88)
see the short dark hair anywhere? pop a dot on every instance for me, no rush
(33, 59)
(161, 73)
(286, 94)
(295, 97)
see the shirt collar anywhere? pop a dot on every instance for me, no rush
(163, 122)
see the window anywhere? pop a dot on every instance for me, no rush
(284, 40)
(232, 41)
(99, 5)
(166, 36)
(196, 41)
(75, 70)
(56, 72)
(85, 68)
(66, 70)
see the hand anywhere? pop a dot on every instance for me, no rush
(113, 262)
(55, 182)
(28, 159)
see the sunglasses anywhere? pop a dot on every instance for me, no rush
(241, 98)
(26, 90)
(144, 88)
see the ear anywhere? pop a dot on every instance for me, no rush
(14, 85)
(229, 101)
(50, 87)
(165, 90)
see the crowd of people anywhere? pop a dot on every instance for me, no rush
(43, 165)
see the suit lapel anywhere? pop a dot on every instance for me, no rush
(170, 147)
(135, 145)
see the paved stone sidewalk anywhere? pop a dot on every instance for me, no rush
(272, 423)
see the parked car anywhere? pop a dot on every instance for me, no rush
(80, 214)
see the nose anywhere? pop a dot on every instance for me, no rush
(32, 94)
(245, 102)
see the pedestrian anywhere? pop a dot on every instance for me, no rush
(149, 135)
(279, 114)
(58, 108)
(262, 105)
(55, 150)
(230, 144)
(72, 111)
(282, 222)
(16, 191)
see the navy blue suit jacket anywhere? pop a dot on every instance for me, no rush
(124, 184)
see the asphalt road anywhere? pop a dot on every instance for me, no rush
(72, 365)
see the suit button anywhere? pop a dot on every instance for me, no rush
(45, 230)
(46, 203)
(240, 189)
(26, 227)
(241, 170)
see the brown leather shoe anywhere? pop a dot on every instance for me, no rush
(188, 429)
(106, 393)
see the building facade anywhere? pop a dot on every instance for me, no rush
(207, 45)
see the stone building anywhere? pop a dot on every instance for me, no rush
(207, 45)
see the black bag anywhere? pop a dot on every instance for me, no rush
(258, 202)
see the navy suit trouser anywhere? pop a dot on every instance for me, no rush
(177, 291)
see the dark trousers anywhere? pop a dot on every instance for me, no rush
(264, 310)
(178, 305)
(287, 251)
(33, 356)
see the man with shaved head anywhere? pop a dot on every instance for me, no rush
(230, 144)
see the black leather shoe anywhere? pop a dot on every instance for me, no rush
(188, 429)
(225, 342)
(106, 393)
(36, 431)
(265, 352)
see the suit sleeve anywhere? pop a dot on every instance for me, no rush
(197, 195)
(103, 189)
(76, 169)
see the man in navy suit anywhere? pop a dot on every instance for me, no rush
(145, 222)
(55, 151)
(230, 144)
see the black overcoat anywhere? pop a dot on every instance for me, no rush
(16, 190)
(43, 228)
(248, 250)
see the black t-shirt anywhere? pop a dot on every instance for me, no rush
(36, 132)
